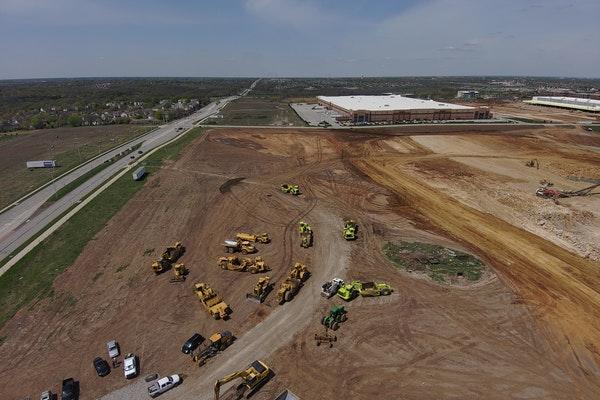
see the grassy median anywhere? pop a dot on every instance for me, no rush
(32, 277)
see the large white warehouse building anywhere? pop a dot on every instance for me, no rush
(567, 102)
(396, 108)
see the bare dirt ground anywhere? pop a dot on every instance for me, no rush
(69, 146)
(551, 114)
(531, 332)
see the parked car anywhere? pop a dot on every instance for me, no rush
(101, 366)
(163, 384)
(192, 343)
(70, 389)
(130, 367)
(47, 395)
(113, 349)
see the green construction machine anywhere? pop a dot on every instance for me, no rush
(337, 314)
(306, 234)
(350, 228)
(290, 188)
(349, 291)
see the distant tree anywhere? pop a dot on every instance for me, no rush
(74, 120)
(159, 115)
(37, 121)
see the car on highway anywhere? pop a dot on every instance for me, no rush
(192, 343)
(113, 349)
(101, 366)
(70, 389)
(130, 366)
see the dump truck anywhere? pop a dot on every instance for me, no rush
(254, 266)
(180, 272)
(217, 342)
(349, 231)
(213, 303)
(306, 234)
(330, 288)
(235, 246)
(252, 377)
(168, 257)
(290, 188)
(260, 290)
(248, 237)
(337, 315)
(349, 291)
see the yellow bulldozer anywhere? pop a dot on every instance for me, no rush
(213, 303)
(292, 284)
(180, 272)
(253, 377)
(254, 266)
(260, 290)
(168, 257)
(249, 237)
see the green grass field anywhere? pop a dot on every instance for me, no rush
(252, 111)
(439, 263)
(31, 278)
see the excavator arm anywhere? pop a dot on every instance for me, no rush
(229, 378)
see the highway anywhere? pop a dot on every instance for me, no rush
(25, 219)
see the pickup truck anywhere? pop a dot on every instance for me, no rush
(163, 384)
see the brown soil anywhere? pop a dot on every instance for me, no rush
(551, 114)
(530, 332)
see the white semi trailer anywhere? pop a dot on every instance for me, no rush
(139, 173)
(42, 164)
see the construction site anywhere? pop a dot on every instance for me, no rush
(271, 244)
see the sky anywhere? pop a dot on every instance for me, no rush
(298, 38)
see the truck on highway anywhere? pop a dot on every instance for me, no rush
(163, 384)
(42, 164)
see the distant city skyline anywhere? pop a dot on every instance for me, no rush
(294, 38)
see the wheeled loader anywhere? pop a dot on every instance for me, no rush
(252, 377)
(248, 237)
(217, 342)
(349, 231)
(180, 272)
(306, 234)
(290, 188)
(213, 303)
(260, 290)
(337, 315)
(235, 246)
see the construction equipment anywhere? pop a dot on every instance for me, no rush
(337, 315)
(330, 288)
(213, 303)
(168, 257)
(248, 237)
(254, 266)
(234, 246)
(533, 163)
(260, 290)
(291, 189)
(548, 193)
(252, 377)
(350, 228)
(325, 338)
(180, 272)
(349, 291)
(306, 234)
(217, 342)
(291, 285)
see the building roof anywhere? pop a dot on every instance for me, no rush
(388, 102)
(569, 102)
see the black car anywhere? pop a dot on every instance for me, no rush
(70, 389)
(101, 366)
(192, 343)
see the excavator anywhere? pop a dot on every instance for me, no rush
(252, 377)
(549, 193)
